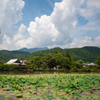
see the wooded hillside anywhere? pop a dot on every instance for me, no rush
(7, 55)
(87, 54)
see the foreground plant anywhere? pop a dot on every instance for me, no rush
(57, 87)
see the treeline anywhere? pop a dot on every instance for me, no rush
(61, 61)
(57, 61)
(86, 54)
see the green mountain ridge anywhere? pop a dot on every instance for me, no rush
(87, 54)
(32, 49)
(7, 55)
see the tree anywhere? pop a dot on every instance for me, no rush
(67, 54)
(1, 59)
(50, 61)
(98, 60)
(36, 62)
(79, 64)
(63, 61)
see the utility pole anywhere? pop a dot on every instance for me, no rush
(0, 30)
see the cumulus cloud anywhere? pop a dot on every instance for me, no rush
(62, 28)
(10, 42)
(10, 14)
(55, 29)
(87, 41)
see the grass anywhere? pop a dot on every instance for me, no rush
(49, 75)
(50, 87)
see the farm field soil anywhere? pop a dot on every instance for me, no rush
(50, 87)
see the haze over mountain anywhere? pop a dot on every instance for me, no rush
(32, 49)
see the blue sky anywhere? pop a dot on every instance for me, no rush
(34, 8)
(49, 23)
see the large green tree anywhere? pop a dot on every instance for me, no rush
(50, 61)
(63, 61)
(98, 60)
(79, 64)
(36, 62)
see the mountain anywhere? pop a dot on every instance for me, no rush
(7, 55)
(32, 49)
(43, 53)
(87, 54)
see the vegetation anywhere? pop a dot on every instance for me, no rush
(57, 61)
(32, 49)
(7, 55)
(98, 60)
(86, 54)
(8, 67)
(59, 87)
(43, 53)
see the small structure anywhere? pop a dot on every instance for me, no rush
(23, 62)
(88, 64)
(13, 61)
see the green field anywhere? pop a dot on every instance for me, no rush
(50, 87)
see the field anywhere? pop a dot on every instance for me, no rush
(50, 87)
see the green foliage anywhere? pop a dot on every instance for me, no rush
(7, 55)
(8, 66)
(63, 60)
(43, 53)
(86, 54)
(79, 64)
(60, 87)
(98, 60)
(19, 95)
(36, 62)
(50, 61)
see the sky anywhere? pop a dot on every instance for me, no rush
(49, 23)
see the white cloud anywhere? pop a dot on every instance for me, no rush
(93, 3)
(91, 9)
(87, 41)
(10, 42)
(19, 35)
(10, 14)
(55, 29)
(58, 29)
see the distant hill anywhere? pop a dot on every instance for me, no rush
(43, 53)
(87, 54)
(32, 49)
(7, 55)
